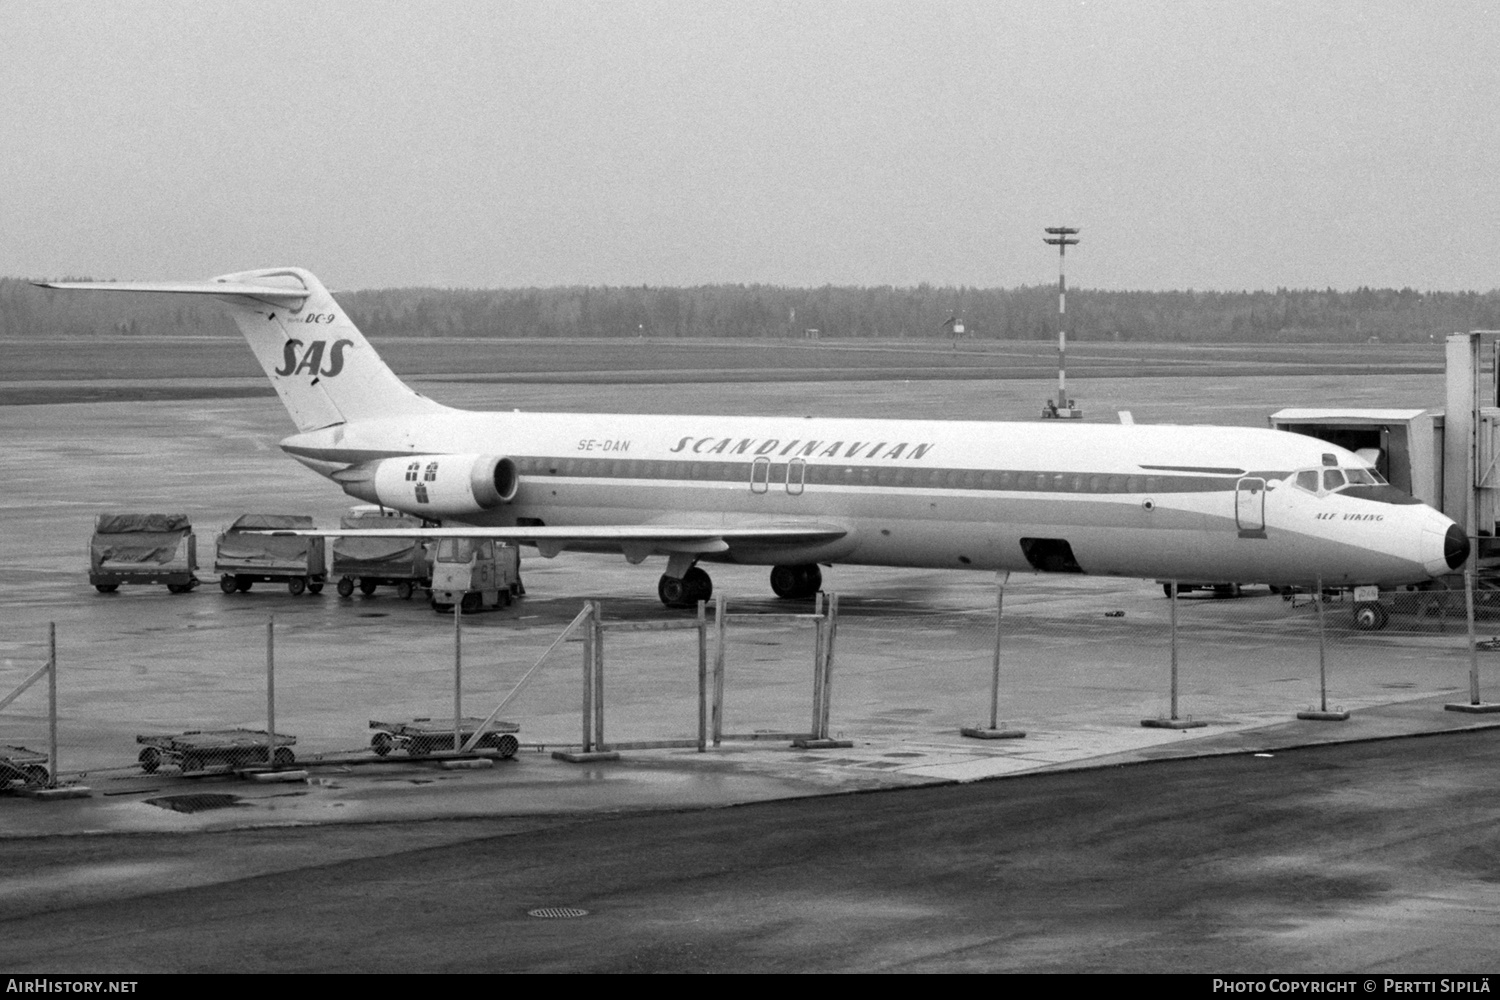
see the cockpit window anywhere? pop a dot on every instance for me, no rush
(1333, 479)
(1364, 477)
(1308, 480)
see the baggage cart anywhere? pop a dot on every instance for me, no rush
(420, 737)
(243, 559)
(20, 766)
(369, 563)
(143, 548)
(200, 749)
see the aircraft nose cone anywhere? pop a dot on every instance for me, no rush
(1455, 547)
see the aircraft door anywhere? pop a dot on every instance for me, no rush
(760, 475)
(796, 476)
(1250, 507)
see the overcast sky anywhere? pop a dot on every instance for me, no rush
(1226, 145)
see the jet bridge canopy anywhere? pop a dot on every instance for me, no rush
(1408, 442)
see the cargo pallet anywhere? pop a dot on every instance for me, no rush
(201, 749)
(420, 737)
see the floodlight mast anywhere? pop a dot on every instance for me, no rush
(1062, 237)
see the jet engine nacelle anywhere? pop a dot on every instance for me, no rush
(434, 485)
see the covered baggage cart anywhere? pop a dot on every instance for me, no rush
(243, 558)
(420, 737)
(143, 548)
(200, 749)
(403, 563)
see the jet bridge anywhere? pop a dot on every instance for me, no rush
(1448, 457)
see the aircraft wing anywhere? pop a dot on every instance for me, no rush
(636, 540)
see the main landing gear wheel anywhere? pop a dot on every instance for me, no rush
(796, 582)
(1370, 617)
(695, 586)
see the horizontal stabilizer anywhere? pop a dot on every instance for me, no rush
(260, 293)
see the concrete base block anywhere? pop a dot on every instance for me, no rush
(468, 764)
(1172, 724)
(823, 744)
(982, 733)
(1468, 706)
(1317, 715)
(580, 757)
(60, 792)
(276, 776)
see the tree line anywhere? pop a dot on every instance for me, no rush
(767, 311)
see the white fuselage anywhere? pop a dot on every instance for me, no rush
(1204, 504)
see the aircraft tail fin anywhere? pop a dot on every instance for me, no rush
(323, 368)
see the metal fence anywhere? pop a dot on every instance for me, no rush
(1075, 655)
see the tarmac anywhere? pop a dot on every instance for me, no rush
(1084, 661)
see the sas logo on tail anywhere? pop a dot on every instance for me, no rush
(295, 360)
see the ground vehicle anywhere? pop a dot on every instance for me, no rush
(403, 563)
(242, 558)
(143, 548)
(421, 737)
(476, 573)
(199, 749)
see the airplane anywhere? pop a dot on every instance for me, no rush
(1190, 503)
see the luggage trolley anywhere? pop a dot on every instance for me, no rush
(420, 737)
(200, 749)
(19, 765)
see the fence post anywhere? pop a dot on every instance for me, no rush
(1000, 581)
(1473, 648)
(1322, 714)
(702, 676)
(52, 704)
(1174, 650)
(819, 657)
(1173, 722)
(718, 708)
(458, 674)
(598, 676)
(828, 647)
(271, 691)
(1322, 650)
(588, 680)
